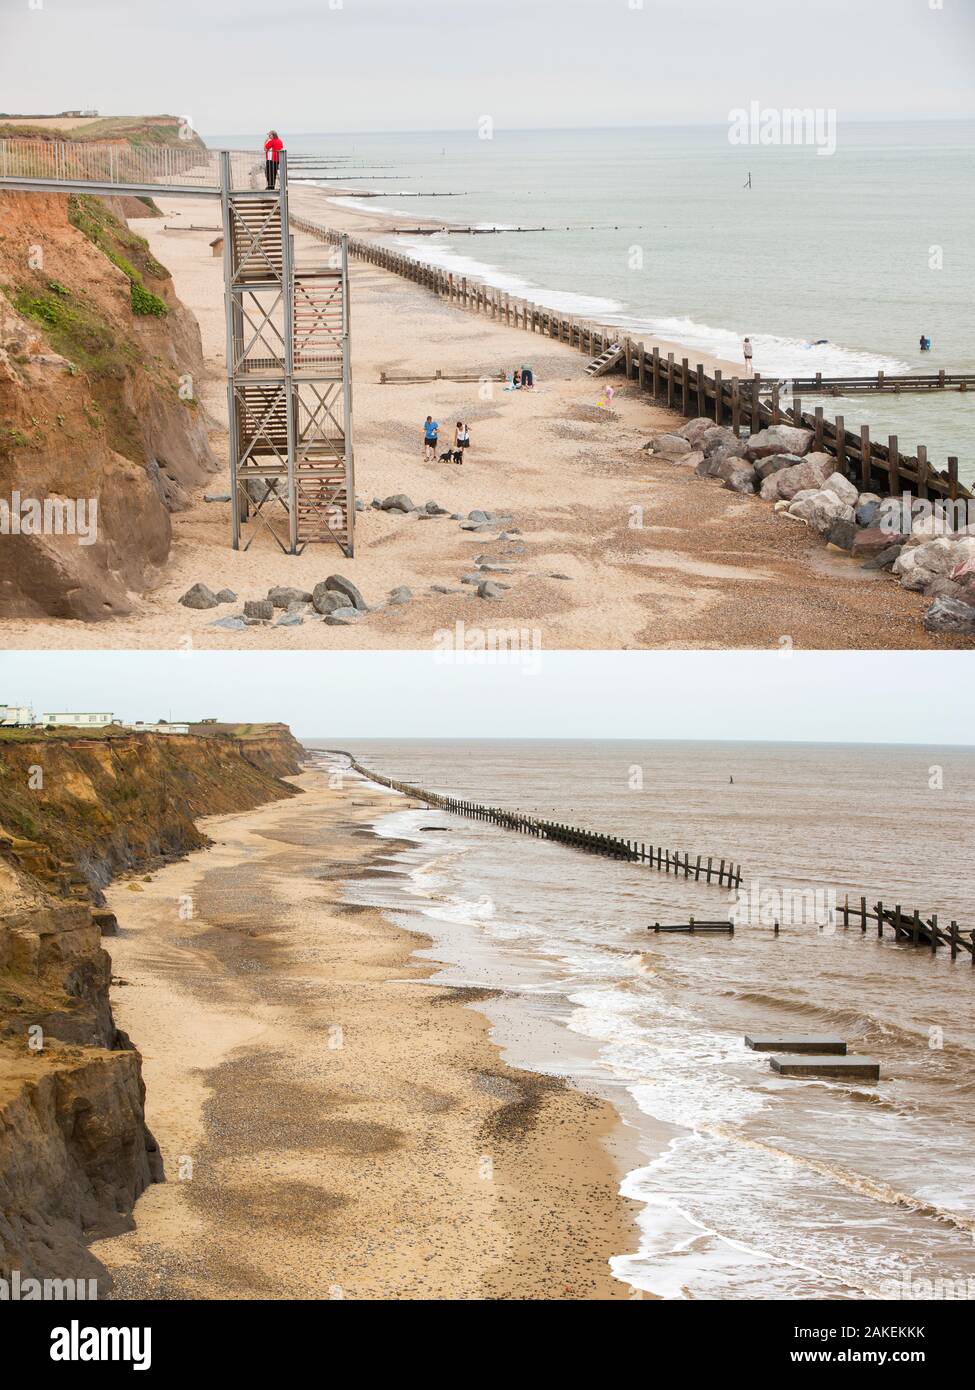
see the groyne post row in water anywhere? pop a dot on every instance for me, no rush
(725, 872)
(918, 928)
(678, 385)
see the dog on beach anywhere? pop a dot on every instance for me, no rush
(452, 456)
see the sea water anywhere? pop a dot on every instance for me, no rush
(748, 1184)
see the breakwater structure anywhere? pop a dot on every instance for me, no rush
(683, 387)
(723, 873)
(907, 926)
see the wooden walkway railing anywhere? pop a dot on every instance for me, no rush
(913, 926)
(724, 873)
(689, 390)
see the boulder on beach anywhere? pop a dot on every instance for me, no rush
(843, 489)
(695, 430)
(337, 583)
(740, 476)
(811, 473)
(820, 509)
(950, 615)
(199, 596)
(779, 439)
(841, 534)
(717, 435)
(774, 463)
(397, 502)
(669, 446)
(261, 609)
(327, 600)
(882, 560)
(226, 596)
(727, 452)
(401, 594)
(488, 589)
(281, 596)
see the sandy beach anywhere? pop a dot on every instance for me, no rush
(616, 549)
(331, 1125)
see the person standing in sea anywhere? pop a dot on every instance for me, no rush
(746, 348)
(273, 146)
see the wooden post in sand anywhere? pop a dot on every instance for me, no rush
(628, 358)
(718, 401)
(641, 366)
(818, 435)
(755, 423)
(670, 380)
(776, 417)
(923, 467)
(735, 404)
(953, 496)
(656, 371)
(865, 452)
(840, 445)
(685, 387)
(893, 465)
(702, 395)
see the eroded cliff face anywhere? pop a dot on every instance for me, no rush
(98, 361)
(74, 1149)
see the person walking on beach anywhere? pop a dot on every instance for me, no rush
(273, 146)
(431, 433)
(746, 348)
(462, 441)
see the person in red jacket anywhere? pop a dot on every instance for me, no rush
(273, 146)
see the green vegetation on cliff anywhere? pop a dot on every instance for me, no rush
(125, 249)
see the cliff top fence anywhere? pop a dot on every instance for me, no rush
(63, 166)
(689, 390)
(723, 873)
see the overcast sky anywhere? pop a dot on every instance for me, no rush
(338, 65)
(881, 697)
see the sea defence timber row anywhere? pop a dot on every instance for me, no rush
(914, 927)
(723, 873)
(686, 389)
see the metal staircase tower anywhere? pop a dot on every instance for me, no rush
(289, 385)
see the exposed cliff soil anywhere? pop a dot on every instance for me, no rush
(74, 1149)
(98, 365)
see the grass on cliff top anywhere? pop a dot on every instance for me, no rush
(137, 130)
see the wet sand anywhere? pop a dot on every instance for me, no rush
(616, 550)
(332, 1126)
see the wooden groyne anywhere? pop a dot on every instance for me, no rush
(723, 873)
(689, 390)
(918, 928)
(883, 384)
